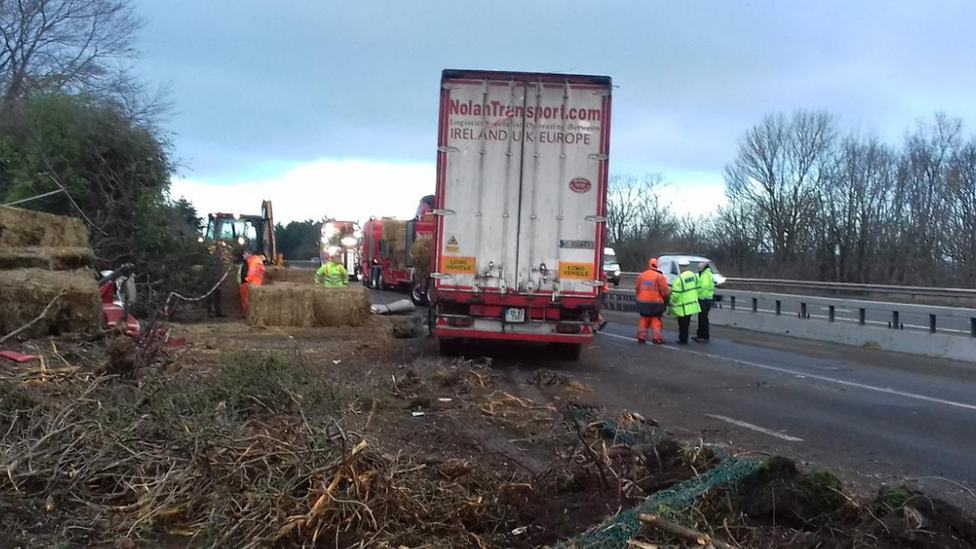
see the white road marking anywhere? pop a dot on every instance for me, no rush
(756, 428)
(885, 390)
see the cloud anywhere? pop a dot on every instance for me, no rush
(341, 189)
(693, 194)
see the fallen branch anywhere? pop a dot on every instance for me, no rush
(682, 532)
(30, 324)
(634, 544)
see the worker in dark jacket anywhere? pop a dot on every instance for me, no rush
(706, 298)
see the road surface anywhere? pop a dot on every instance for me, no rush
(873, 414)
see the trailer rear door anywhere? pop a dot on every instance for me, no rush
(480, 162)
(522, 168)
(563, 188)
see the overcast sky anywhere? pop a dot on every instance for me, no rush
(330, 108)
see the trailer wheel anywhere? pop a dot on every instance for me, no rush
(449, 347)
(568, 351)
(418, 295)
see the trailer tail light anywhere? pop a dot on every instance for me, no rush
(567, 328)
(457, 321)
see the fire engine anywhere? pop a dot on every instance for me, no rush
(388, 252)
(343, 238)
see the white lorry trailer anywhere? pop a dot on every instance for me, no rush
(520, 208)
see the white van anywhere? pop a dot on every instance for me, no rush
(669, 266)
(611, 267)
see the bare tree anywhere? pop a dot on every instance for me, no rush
(633, 205)
(64, 44)
(779, 168)
(920, 202)
(854, 209)
(962, 220)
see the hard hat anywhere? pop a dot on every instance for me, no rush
(652, 263)
(683, 263)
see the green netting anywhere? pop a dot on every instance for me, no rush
(618, 530)
(612, 431)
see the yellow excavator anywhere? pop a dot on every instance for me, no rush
(227, 234)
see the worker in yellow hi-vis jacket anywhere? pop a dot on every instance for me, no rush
(684, 299)
(332, 274)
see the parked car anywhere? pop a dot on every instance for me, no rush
(669, 266)
(610, 266)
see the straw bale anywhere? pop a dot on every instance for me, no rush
(348, 306)
(283, 304)
(230, 296)
(421, 252)
(22, 228)
(274, 275)
(395, 234)
(25, 292)
(51, 259)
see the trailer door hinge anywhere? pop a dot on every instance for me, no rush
(440, 276)
(448, 149)
(443, 212)
(592, 283)
(598, 156)
(596, 218)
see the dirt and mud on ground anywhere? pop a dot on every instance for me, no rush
(349, 437)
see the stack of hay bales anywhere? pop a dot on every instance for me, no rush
(274, 275)
(43, 256)
(306, 305)
(422, 250)
(395, 240)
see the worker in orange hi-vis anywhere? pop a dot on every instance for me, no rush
(252, 274)
(652, 301)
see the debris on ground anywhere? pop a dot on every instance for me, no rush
(407, 326)
(255, 436)
(401, 307)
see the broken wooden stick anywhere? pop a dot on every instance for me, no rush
(634, 544)
(682, 532)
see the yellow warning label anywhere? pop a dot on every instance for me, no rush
(458, 265)
(575, 271)
(452, 244)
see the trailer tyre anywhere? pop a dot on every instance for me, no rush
(418, 295)
(568, 351)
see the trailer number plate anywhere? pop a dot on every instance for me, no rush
(514, 315)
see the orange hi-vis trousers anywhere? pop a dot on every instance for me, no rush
(652, 322)
(244, 296)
